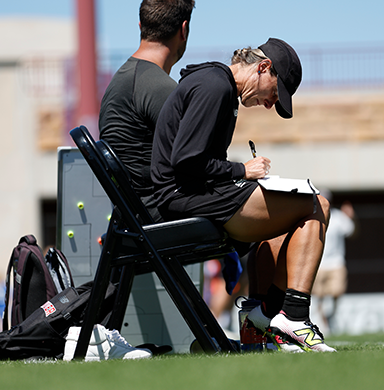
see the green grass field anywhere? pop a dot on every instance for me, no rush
(359, 364)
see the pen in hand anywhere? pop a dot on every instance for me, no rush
(253, 149)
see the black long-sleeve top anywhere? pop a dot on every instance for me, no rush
(194, 130)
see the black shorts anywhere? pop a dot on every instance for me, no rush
(216, 201)
(150, 203)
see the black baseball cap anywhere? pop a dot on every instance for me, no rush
(288, 68)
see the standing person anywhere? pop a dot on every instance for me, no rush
(133, 100)
(192, 176)
(331, 279)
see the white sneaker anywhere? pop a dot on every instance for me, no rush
(304, 334)
(262, 322)
(103, 345)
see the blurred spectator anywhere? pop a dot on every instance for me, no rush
(331, 279)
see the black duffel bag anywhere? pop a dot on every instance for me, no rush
(42, 333)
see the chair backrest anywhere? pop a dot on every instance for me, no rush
(122, 178)
(112, 174)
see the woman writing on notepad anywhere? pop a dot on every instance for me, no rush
(192, 176)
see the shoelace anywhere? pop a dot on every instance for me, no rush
(116, 337)
(315, 328)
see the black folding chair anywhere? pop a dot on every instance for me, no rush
(134, 245)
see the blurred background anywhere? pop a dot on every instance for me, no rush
(56, 59)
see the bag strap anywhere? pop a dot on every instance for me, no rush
(25, 251)
(7, 287)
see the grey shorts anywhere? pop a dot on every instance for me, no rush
(217, 201)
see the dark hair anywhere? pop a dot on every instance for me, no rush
(161, 19)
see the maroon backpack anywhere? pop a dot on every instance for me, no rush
(36, 279)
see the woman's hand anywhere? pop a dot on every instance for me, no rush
(257, 168)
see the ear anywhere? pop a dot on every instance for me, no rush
(184, 30)
(264, 66)
(140, 26)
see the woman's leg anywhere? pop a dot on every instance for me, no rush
(298, 253)
(262, 267)
(268, 214)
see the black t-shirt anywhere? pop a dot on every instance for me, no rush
(128, 115)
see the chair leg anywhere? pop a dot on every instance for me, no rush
(124, 291)
(183, 304)
(201, 307)
(99, 289)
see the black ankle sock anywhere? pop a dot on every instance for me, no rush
(296, 305)
(273, 301)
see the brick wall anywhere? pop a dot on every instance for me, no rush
(348, 116)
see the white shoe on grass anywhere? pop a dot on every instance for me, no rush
(104, 345)
(260, 321)
(304, 334)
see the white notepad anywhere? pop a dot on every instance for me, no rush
(277, 183)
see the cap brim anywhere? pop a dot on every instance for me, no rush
(284, 105)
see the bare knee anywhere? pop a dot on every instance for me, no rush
(325, 208)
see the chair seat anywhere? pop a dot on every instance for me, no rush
(183, 232)
(180, 236)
